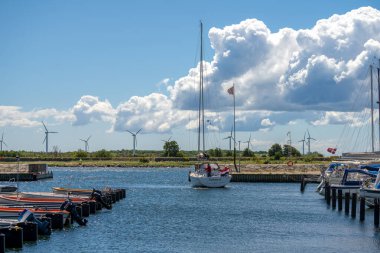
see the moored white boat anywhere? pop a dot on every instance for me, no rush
(216, 178)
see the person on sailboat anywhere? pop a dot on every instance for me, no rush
(208, 170)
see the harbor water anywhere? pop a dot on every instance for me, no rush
(162, 213)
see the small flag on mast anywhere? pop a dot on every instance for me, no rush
(231, 90)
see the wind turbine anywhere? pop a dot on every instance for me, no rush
(166, 141)
(2, 142)
(86, 143)
(229, 137)
(249, 142)
(303, 144)
(309, 140)
(134, 140)
(46, 140)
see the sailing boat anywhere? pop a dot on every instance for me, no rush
(206, 174)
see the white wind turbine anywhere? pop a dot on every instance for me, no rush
(166, 141)
(2, 142)
(309, 141)
(303, 144)
(86, 143)
(46, 140)
(134, 140)
(229, 137)
(249, 142)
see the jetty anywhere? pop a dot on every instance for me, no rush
(278, 173)
(14, 233)
(24, 172)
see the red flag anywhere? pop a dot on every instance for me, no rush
(231, 90)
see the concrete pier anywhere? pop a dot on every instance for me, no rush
(24, 172)
(274, 178)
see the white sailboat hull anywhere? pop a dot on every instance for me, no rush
(201, 180)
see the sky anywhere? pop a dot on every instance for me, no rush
(98, 68)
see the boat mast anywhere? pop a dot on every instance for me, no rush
(234, 130)
(201, 118)
(378, 92)
(372, 124)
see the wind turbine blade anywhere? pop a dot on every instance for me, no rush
(4, 143)
(308, 133)
(88, 137)
(304, 136)
(129, 132)
(52, 132)
(138, 131)
(169, 138)
(44, 126)
(82, 140)
(44, 139)
(2, 137)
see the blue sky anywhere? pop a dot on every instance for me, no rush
(119, 53)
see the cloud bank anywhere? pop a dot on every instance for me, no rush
(312, 74)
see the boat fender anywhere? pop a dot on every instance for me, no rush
(290, 163)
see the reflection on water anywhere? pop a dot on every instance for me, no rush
(162, 213)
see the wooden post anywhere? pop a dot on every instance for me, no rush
(353, 205)
(328, 194)
(340, 200)
(362, 208)
(376, 213)
(333, 199)
(302, 184)
(347, 203)
(2, 243)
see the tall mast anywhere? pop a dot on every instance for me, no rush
(234, 130)
(203, 108)
(372, 124)
(201, 117)
(378, 93)
(200, 97)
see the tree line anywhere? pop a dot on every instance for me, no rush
(170, 149)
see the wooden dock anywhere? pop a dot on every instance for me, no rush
(24, 172)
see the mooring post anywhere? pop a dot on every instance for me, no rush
(376, 213)
(353, 204)
(303, 183)
(326, 186)
(362, 208)
(2, 243)
(347, 203)
(333, 199)
(328, 194)
(340, 200)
